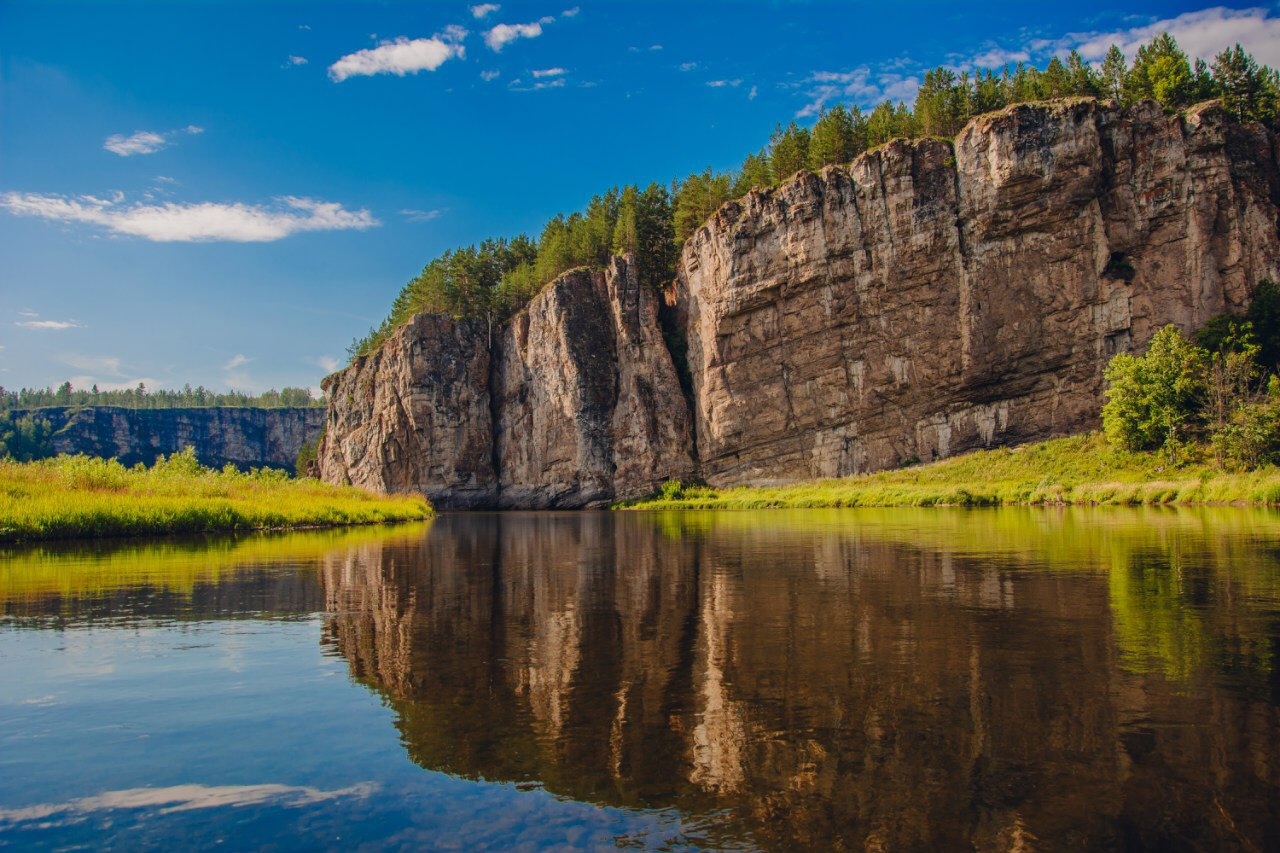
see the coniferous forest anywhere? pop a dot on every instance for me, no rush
(499, 276)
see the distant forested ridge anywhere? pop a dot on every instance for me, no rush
(495, 279)
(143, 398)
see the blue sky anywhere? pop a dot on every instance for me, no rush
(226, 194)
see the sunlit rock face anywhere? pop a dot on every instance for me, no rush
(813, 685)
(930, 299)
(924, 300)
(247, 437)
(572, 403)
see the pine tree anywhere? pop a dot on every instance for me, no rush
(832, 138)
(788, 151)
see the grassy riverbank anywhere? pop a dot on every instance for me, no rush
(1081, 469)
(81, 497)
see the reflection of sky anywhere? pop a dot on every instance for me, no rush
(180, 798)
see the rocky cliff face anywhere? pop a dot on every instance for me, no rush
(924, 300)
(573, 403)
(244, 437)
(929, 300)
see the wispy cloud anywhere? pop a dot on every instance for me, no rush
(688, 66)
(548, 72)
(861, 86)
(201, 222)
(570, 13)
(421, 215)
(1203, 34)
(327, 363)
(181, 798)
(402, 56)
(48, 325)
(295, 61)
(145, 141)
(751, 96)
(503, 34)
(237, 361)
(488, 76)
(719, 84)
(518, 85)
(484, 10)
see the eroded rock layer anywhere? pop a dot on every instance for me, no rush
(931, 299)
(924, 300)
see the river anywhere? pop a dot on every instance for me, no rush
(780, 680)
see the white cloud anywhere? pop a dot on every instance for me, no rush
(304, 26)
(488, 76)
(400, 57)
(688, 66)
(503, 34)
(238, 360)
(421, 215)
(549, 72)
(554, 83)
(327, 363)
(751, 96)
(295, 61)
(144, 141)
(201, 222)
(570, 13)
(1203, 34)
(860, 86)
(181, 798)
(718, 84)
(48, 325)
(655, 47)
(484, 10)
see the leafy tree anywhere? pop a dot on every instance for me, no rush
(754, 173)
(788, 151)
(1113, 73)
(1247, 91)
(25, 438)
(1263, 315)
(1154, 401)
(833, 138)
(1161, 71)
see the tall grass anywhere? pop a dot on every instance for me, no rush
(1082, 469)
(80, 496)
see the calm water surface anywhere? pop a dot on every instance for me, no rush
(824, 680)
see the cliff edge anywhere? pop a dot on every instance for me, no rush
(924, 300)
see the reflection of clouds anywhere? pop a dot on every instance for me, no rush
(181, 798)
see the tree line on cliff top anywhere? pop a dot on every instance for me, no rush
(499, 276)
(142, 397)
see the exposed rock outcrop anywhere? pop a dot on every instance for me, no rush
(414, 416)
(246, 437)
(924, 300)
(575, 403)
(928, 300)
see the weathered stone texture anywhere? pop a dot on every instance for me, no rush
(924, 300)
(580, 405)
(927, 300)
(246, 437)
(414, 416)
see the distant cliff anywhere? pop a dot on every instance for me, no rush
(924, 300)
(244, 437)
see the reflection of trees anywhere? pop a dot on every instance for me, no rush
(829, 684)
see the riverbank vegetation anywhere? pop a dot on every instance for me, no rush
(1084, 469)
(82, 497)
(498, 277)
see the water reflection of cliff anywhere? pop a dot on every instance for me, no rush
(831, 686)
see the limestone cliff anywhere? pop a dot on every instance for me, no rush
(928, 300)
(574, 402)
(246, 437)
(924, 300)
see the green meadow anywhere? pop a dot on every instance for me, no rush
(80, 497)
(1082, 469)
